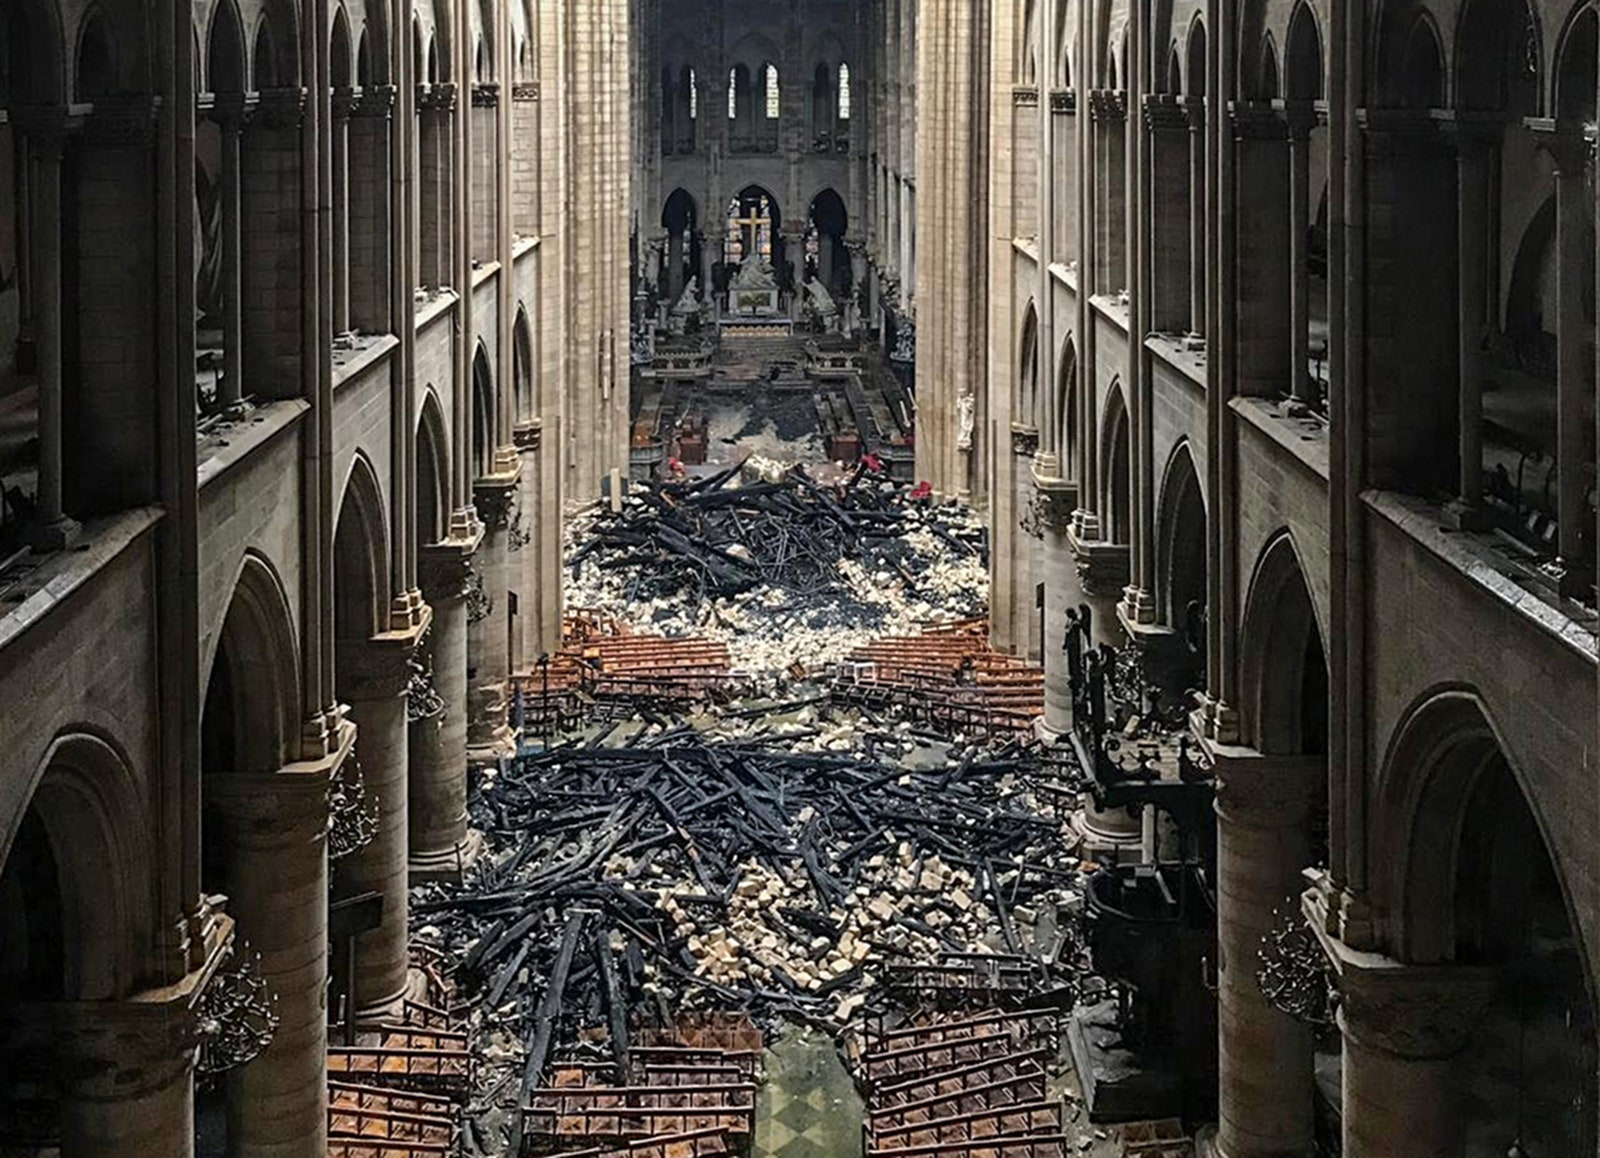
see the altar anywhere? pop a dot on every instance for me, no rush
(753, 292)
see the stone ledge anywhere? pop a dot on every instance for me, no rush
(1305, 440)
(1482, 567)
(61, 573)
(373, 350)
(1189, 364)
(224, 448)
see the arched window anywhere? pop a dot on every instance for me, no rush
(694, 96)
(733, 93)
(772, 91)
(844, 92)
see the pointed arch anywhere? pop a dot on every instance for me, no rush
(1464, 872)
(1172, 85)
(1498, 64)
(1418, 81)
(94, 62)
(1025, 400)
(225, 49)
(37, 53)
(1067, 408)
(1303, 65)
(1574, 95)
(1116, 471)
(522, 364)
(80, 860)
(822, 97)
(1283, 669)
(360, 555)
(433, 471)
(1195, 70)
(340, 61)
(1181, 544)
(1027, 51)
(483, 413)
(1267, 87)
(252, 705)
(264, 60)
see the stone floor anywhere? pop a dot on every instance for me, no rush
(808, 1106)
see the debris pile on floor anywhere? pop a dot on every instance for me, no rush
(777, 564)
(675, 873)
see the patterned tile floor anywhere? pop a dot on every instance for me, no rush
(807, 1107)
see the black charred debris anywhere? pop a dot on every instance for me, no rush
(676, 873)
(724, 535)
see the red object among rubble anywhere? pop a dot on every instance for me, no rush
(872, 462)
(922, 491)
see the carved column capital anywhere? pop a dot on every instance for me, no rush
(123, 120)
(1411, 1011)
(269, 810)
(344, 102)
(526, 435)
(1165, 114)
(380, 668)
(442, 568)
(117, 1051)
(376, 101)
(1024, 440)
(1263, 791)
(1057, 499)
(1103, 567)
(1567, 143)
(280, 108)
(494, 497)
(437, 98)
(1108, 105)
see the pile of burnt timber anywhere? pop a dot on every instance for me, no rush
(963, 1080)
(672, 875)
(721, 536)
(948, 678)
(604, 667)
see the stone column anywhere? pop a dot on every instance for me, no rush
(1403, 1027)
(1472, 225)
(438, 742)
(1301, 119)
(1263, 282)
(1264, 1073)
(372, 678)
(343, 103)
(530, 569)
(53, 530)
(232, 124)
(1574, 214)
(275, 832)
(1196, 109)
(1169, 208)
(489, 656)
(1024, 537)
(1057, 498)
